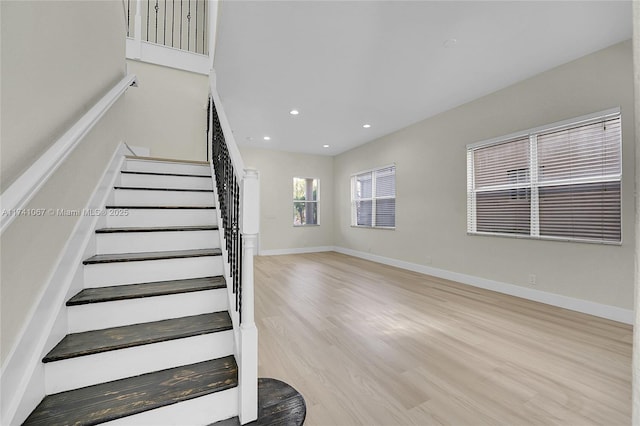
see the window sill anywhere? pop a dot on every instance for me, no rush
(305, 226)
(388, 228)
(541, 238)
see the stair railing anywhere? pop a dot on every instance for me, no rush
(180, 24)
(237, 202)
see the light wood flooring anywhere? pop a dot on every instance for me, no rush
(369, 344)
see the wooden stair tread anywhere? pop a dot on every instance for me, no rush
(278, 404)
(157, 229)
(167, 160)
(137, 291)
(133, 172)
(153, 255)
(120, 398)
(137, 188)
(109, 339)
(160, 207)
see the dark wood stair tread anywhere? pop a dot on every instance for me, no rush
(157, 229)
(161, 207)
(109, 339)
(133, 172)
(153, 255)
(120, 398)
(278, 404)
(136, 188)
(137, 291)
(167, 160)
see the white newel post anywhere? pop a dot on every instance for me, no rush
(137, 31)
(248, 371)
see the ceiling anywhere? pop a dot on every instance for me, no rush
(343, 64)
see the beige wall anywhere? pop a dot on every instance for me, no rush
(31, 246)
(277, 170)
(431, 185)
(169, 113)
(58, 59)
(636, 324)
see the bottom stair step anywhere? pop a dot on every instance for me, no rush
(120, 398)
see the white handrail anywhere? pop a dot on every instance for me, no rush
(234, 153)
(27, 185)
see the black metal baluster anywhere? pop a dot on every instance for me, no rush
(189, 26)
(195, 47)
(181, 24)
(164, 28)
(156, 8)
(128, 17)
(173, 20)
(148, 15)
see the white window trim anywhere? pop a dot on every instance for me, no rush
(532, 134)
(354, 219)
(317, 201)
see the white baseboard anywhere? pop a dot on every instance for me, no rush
(587, 307)
(22, 375)
(300, 250)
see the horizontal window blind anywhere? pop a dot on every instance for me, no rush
(558, 183)
(373, 200)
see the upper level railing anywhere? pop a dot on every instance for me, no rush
(180, 24)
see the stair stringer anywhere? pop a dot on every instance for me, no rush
(22, 378)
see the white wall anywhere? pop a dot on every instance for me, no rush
(636, 305)
(430, 162)
(277, 170)
(58, 59)
(168, 111)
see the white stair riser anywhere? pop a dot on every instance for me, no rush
(89, 370)
(136, 242)
(136, 197)
(197, 412)
(97, 316)
(162, 217)
(166, 167)
(108, 274)
(159, 181)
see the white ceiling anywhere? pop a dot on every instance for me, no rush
(346, 63)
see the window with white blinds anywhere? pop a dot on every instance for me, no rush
(373, 198)
(560, 181)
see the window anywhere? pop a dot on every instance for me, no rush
(305, 201)
(373, 198)
(560, 181)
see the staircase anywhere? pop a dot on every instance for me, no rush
(150, 338)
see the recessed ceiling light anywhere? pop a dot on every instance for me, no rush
(325, 146)
(366, 126)
(450, 43)
(294, 112)
(267, 138)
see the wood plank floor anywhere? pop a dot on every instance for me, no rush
(369, 344)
